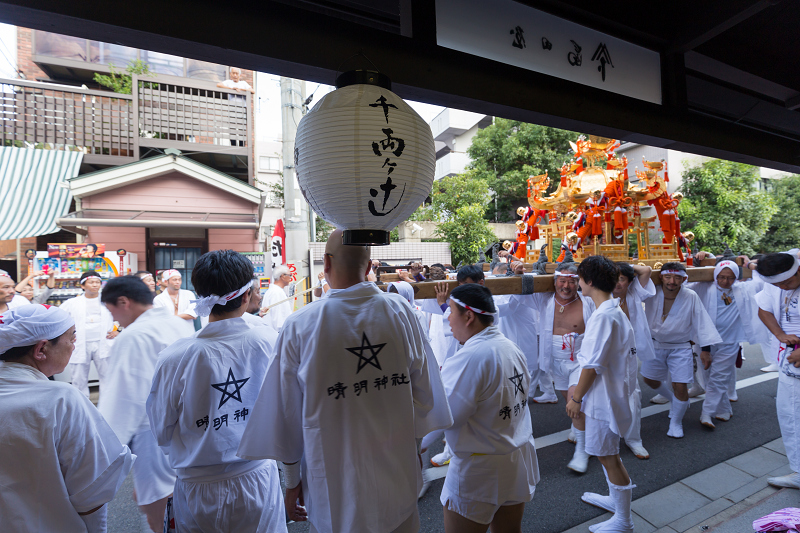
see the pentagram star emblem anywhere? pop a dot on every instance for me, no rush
(374, 350)
(516, 379)
(231, 381)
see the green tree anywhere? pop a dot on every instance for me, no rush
(506, 153)
(122, 81)
(458, 204)
(784, 230)
(722, 205)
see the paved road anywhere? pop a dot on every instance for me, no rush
(556, 505)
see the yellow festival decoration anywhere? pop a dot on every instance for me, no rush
(594, 209)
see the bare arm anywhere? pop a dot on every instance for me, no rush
(771, 322)
(588, 375)
(642, 274)
(22, 284)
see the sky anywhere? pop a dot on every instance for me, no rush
(268, 109)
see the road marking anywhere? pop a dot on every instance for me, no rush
(434, 473)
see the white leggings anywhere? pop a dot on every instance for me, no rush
(718, 379)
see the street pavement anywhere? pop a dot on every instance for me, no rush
(556, 506)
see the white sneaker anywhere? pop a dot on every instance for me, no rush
(696, 390)
(705, 420)
(638, 450)
(790, 481)
(772, 367)
(659, 399)
(724, 418)
(546, 398)
(571, 436)
(675, 430)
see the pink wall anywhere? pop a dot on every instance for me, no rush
(241, 240)
(173, 192)
(132, 239)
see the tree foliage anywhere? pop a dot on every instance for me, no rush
(506, 153)
(458, 204)
(722, 205)
(784, 230)
(122, 81)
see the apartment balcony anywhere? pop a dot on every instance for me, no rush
(114, 129)
(451, 164)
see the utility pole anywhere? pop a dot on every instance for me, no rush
(293, 94)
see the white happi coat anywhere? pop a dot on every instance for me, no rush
(687, 321)
(544, 303)
(608, 348)
(185, 306)
(353, 382)
(278, 314)
(641, 328)
(203, 393)
(487, 384)
(518, 323)
(744, 298)
(59, 456)
(130, 376)
(18, 301)
(76, 307)
(441, 337)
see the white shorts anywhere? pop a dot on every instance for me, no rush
(252, 501)
(675, 363)
(153, 478)
(477, 486)
(600, 440)
(564, 372)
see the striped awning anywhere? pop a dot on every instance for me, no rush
(33, 190)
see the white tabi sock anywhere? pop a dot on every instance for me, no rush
(622, 521)
(665, 391)
(580, 459)
(598, 500)
(676, 418)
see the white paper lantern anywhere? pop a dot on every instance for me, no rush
(364, 160)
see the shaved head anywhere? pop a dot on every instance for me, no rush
(345, 265)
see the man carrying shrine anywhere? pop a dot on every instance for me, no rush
(677, 319)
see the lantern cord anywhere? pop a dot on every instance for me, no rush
(359, 53)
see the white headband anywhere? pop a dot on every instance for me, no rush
(148, 275)
(4, 274)
(680, 273)
(558, 274)
(470, 308)
(87, 278)
(29, 324)
(783, 276)
(202, 306)
(169, 273)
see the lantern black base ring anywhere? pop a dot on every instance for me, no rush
(365, 237)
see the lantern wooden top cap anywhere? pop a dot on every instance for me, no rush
(363, 77)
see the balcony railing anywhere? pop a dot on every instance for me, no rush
(110, 127)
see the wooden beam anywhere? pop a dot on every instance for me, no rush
(516, 285)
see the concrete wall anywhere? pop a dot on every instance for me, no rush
(502, 231)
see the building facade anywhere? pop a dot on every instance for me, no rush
(170, 162)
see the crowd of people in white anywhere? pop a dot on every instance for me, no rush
(204, 398)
